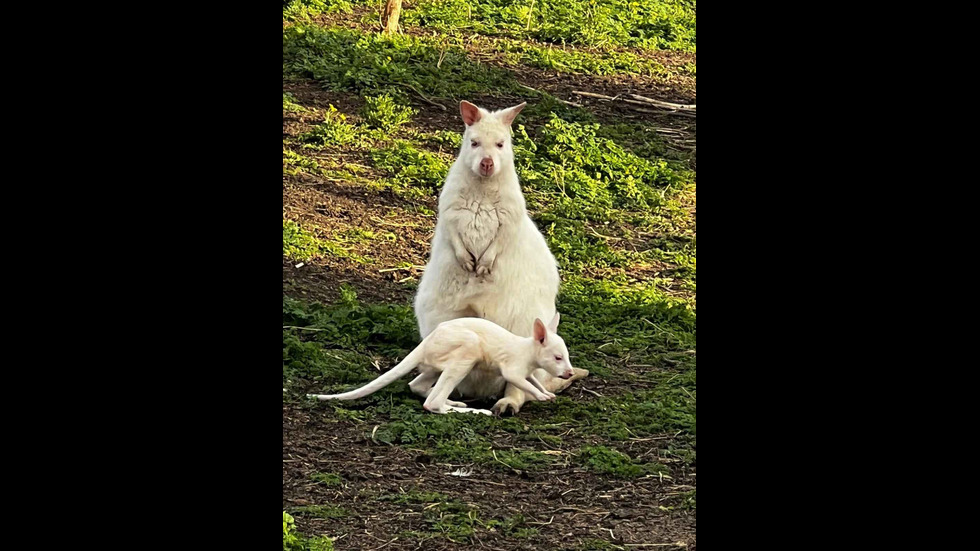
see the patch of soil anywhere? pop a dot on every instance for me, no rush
(567, 505)
(332, 209)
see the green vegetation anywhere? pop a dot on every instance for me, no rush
(334, 130)
(344, 59)
(300, 244)
(652, 24)
(604, 460)
(383, 113)
(613, 195)
(289, 104)
(301, 10)
(294, 541)
(297, 243)
(327, 479)
(320, 511)
(414, 172)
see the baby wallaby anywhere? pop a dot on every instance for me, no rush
(457, 347)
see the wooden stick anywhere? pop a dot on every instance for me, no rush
(687, 111)
(425, 99)
(666, 104)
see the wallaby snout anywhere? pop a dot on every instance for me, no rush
(486, 166)
(567, 375)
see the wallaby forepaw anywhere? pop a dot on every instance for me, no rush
(467, 262)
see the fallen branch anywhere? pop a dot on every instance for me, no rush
(576, 509)
(689, 111)
(385, 545)
(425, 99)
(541, 523)
(666, 104)
(386, 223)
(412, 267)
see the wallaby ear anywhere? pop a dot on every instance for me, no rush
(471, 113)
(508, 115)
(553, 324)
(540, 331)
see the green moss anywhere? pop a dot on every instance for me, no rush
(327, 479)
(321, 511)
(604, 460)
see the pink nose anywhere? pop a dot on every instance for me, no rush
(486, 165)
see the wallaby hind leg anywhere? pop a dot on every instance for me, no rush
(513, 399)
(456, 369)
(422, 384)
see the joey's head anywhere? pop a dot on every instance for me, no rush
(552, 355)
(486, 149)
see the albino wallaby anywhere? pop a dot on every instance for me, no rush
(488, 258)
(456, 347)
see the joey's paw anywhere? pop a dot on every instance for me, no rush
(482, 269)
(482, 411)
(550, 395)
(545, 397)
(466, 261)
(505, 404)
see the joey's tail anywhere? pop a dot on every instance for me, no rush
(403, 367)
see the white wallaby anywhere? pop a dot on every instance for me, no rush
(458, 347)
(488, 259)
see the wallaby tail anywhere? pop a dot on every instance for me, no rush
(405, 366)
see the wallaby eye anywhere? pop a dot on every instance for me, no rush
(500, 144)
(558, 358)
(475, 144)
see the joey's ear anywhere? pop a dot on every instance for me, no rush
(540, 331)
(508, 115)
(553, 324)
(471, 113)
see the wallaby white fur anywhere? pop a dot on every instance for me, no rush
(488, 259)
(458, 347)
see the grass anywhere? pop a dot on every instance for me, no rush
(338, 356)
(320, 511)
(301, 244)
(603, 460)
(654, 24)
(453, 520)
(612, 196)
